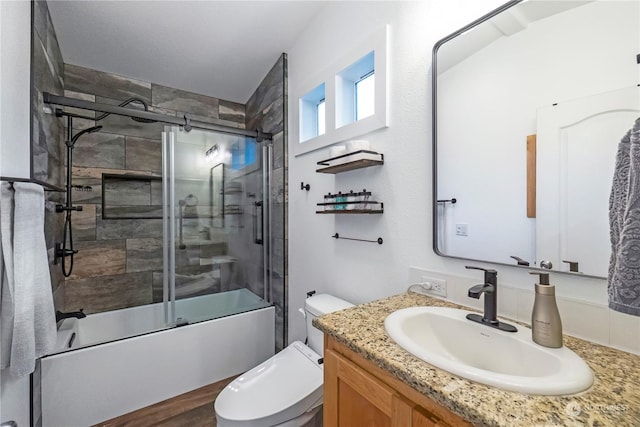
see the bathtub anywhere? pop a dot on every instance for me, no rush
(109, 364)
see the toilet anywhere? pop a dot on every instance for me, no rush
(286, 390)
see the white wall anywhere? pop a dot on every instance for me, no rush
(15, 77)
(358, 271)
(15, 51)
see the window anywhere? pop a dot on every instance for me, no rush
(321, 123)
(243, 154)
(344, 99)
(312, 113)
(355, 91)
(365, 100)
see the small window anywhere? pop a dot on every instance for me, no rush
(345, 99)
(243, 154)
(355, 91)
(365, 99)
(321, 117)
(312, 114)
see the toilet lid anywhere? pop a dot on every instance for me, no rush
(277, 390)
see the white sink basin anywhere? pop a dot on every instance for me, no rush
(511, 361)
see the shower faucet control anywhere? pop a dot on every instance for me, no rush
(62, 208)
(77, 314)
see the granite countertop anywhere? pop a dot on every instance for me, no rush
(613, 400)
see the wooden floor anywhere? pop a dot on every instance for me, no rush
(192, 409)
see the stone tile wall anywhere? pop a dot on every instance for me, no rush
(119, 263)
(47, 133)
(47, 149)
(266, 110)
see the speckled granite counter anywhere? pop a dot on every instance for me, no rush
(613, 400)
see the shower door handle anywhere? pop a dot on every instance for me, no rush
(258, 232)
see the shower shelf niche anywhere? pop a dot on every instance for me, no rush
(351, 161)
(140, 194)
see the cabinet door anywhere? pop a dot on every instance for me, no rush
(354, 398)
(423, 419)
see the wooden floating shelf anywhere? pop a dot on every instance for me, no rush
(356, 164)
(350, 165)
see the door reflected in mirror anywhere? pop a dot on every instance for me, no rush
(529, 107)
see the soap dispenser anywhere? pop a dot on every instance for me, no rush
(546, 325)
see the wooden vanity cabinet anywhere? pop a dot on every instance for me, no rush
(359, 393)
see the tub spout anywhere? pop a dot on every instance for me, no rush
(77, 314)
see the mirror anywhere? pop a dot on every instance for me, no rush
(529, 104)
(217, 195)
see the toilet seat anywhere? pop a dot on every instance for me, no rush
(278, 390)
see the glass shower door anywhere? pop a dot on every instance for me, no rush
(216, 222)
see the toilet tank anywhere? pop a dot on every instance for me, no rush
(316, 306)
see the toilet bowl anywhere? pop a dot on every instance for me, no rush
(285, 390)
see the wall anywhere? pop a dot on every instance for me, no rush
(361, 272)
(14, 81)
(47, 133)
(15, 18)
(119, 263)
(23, 135)
(266, 110)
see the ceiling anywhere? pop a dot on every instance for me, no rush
(504, 24)
(217, 48)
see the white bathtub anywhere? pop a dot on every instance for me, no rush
(90, 382)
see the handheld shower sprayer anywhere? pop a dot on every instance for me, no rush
(65, 249)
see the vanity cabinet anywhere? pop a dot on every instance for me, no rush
(359, 393)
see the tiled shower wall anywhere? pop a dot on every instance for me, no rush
(266, 111)
(47, 134)
(46, 150)
(119, 263)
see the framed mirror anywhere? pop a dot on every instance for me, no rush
(217, 195)
(529, 104)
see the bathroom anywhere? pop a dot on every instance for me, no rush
(358, 272)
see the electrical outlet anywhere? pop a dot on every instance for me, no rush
(462, 229)
(435, 286)
(430, 285)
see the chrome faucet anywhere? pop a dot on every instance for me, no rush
(490, 290)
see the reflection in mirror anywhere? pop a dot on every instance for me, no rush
(217, 195)
(530, 103)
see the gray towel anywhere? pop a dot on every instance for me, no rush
(624, 222)
(27, 287)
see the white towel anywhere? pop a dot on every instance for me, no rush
(34, 328)
(6, 273)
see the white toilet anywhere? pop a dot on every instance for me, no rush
(286, 390)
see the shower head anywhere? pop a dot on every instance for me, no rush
(127, 102)
(82, 132)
